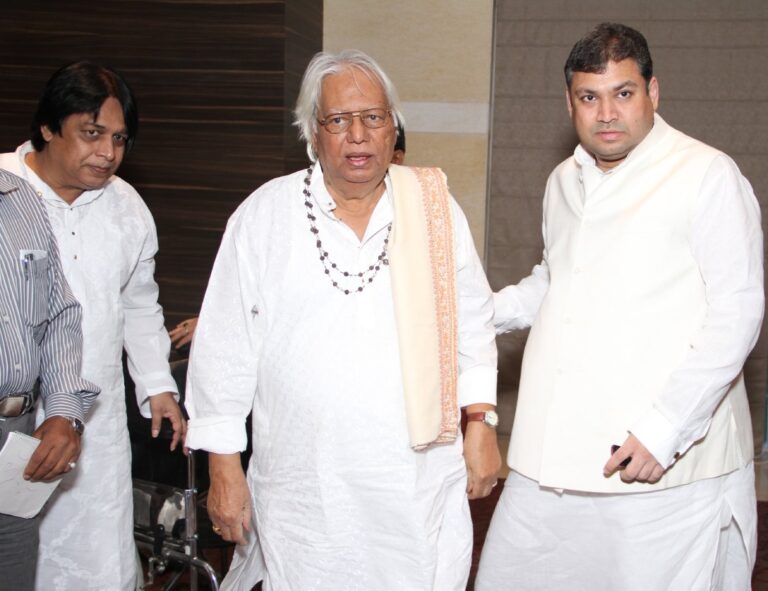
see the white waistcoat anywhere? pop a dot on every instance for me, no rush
(624, 300)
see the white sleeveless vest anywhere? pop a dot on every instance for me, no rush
(625, 295)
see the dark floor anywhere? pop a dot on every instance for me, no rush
(481, 517)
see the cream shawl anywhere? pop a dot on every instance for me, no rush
(423, 272)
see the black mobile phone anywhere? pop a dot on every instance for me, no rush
(625, 463)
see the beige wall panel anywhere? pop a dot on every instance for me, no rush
(438, 54)
(435, 50)
(463, 158)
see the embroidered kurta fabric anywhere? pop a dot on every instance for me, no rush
(340, 499)
(108, 242)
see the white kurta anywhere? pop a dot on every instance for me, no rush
(108, 241)
(340, 500)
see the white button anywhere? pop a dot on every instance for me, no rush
(577, 270)
(17, 366)
(6, 318)
(568, 320)
(39, 194)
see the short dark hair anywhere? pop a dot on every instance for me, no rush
(609, 42)
(400, 141)
(82, 87)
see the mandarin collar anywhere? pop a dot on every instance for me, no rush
(660, 127)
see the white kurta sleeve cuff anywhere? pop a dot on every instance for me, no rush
(158, 386)
(477, 385)
(659, 436)
(220, 435)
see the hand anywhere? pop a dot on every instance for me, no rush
(481, 454)
(164, 406)
(642, 468)
(59, 445)
(182, 333)
(229, 500)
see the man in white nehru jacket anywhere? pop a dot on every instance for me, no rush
(631, 451)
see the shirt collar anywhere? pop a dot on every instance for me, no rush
(6, 185)
(45, 191)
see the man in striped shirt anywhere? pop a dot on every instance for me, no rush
(40, 351)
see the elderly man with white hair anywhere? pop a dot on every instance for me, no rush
(348, 310)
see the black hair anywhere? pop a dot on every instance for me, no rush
(400, 141)
(82, 87)
(609, 42)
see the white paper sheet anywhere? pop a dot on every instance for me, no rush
(20, 497)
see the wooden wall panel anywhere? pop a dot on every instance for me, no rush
(216, 82)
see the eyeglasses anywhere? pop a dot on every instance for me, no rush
(340, 122)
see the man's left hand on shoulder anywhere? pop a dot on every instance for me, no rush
(164, 406)
(642, 466)
(481, 455)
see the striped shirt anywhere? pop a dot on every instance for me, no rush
(40, 335)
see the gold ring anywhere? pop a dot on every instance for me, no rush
(216, 529)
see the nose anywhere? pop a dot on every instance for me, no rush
(357, 132)
(107, 148)
(607, 111)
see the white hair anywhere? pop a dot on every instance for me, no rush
(326, 64)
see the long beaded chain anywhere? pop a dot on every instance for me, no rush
(332, 270)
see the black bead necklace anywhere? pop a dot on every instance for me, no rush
(346, 282)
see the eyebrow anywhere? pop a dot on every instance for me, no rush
(123, 131)
(622, 85)
(340, 112)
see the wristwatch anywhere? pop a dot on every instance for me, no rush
(488, 417)
(77, 424)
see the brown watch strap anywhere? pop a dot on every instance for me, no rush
(476, 416)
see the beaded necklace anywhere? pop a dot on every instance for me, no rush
(346, 282)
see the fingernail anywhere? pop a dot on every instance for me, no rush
(155, 432)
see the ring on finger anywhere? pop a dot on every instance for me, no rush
(216, 529)
(72, 465)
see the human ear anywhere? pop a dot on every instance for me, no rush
(46, 132)
(653, 92)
